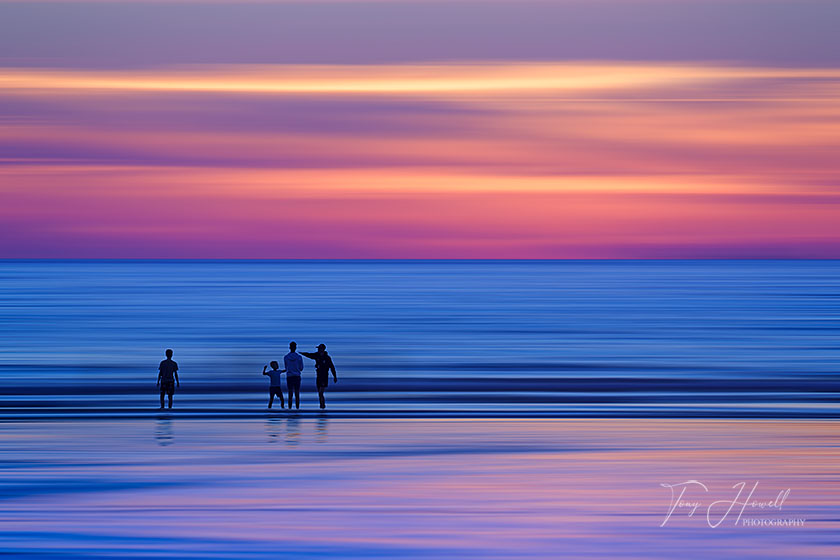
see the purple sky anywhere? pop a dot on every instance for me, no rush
(136, 34)
(498, 128)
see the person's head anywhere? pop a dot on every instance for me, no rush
(293, 346)
(322, 348)
(168, 352)
(274, 364)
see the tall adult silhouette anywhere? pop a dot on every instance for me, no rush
(167, 377)
(323, 366)
(294, 365)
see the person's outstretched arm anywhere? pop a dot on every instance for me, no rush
(265, 368)
(310, 355)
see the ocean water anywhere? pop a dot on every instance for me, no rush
(486, 410)
(541, 338)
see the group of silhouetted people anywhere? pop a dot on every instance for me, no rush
(293, 367)
(293, 363)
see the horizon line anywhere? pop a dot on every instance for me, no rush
(416, 259)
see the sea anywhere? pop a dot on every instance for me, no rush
(482, 409)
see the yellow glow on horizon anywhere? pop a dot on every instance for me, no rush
(146, 181)
(415, 79)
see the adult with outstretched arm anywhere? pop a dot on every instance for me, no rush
(323, 366)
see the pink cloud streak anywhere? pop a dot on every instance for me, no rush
(416, 162)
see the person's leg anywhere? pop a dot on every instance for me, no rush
(280, 394)
(293, 383)
(170, 400)
(321, 383)
(271, 398)
(162, 394)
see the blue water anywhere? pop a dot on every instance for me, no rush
(555, 338)
(499, 410)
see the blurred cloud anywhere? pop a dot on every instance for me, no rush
(390, 156)
(410, 79)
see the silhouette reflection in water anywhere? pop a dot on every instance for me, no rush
(321, 428)
(163, 431)
(292, 431)
(273, 426)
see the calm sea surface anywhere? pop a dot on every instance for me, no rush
(485, 410)
(626, 338)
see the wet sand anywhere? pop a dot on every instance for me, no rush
(311, 485)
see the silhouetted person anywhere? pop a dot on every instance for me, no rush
(275, 388)
(323, 367)
(167, 378)
(294, 365)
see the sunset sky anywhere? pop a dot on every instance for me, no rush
(420, 129)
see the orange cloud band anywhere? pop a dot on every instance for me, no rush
(414, 79)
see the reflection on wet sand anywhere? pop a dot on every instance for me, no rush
(414, 488)
(273, 425)
(292, 430)
(321, 428)
(163, 431)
